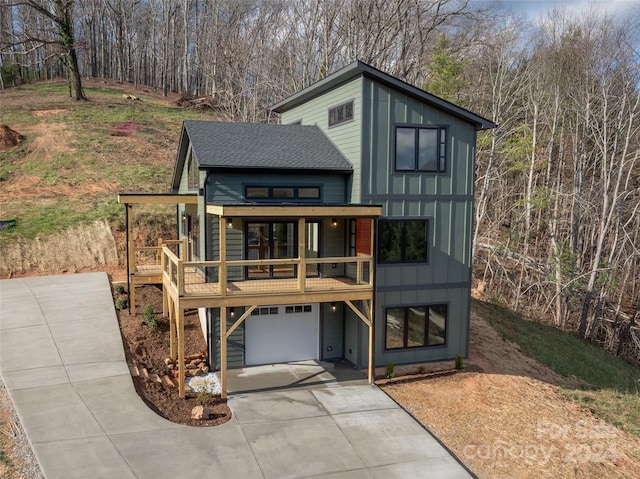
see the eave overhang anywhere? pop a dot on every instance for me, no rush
(295, 211)
(156, 199)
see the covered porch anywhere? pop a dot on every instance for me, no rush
(301, 276)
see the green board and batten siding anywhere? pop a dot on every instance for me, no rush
(446, 199)
(346, 136)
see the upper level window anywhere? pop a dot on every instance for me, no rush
(341, 113)
(421, 148)
(302, 193)
(193, 175)
(403, 241)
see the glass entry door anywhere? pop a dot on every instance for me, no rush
(270, 240)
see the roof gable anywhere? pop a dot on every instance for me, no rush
(258, 146)
(359, 68)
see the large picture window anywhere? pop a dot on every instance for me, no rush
(419, 148)
(403, 241)
(416, 326)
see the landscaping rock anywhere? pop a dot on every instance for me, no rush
(200, 412)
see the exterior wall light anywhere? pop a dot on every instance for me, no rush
(333, 307)
(229, 223)
(232, 312)
(334, 222)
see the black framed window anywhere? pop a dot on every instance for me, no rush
(279, 193)
(416, 326)
(402, 241)
(421, 148)
(341, 113)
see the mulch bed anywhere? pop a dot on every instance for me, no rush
(148, 347)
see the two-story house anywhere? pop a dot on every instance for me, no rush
(344, 232)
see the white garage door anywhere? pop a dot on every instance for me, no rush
(290, 335)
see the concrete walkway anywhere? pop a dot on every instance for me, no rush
(62, 361)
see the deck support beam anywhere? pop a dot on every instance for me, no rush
(223, 352)
(131, 258)
(181, 365)
(367, 318)
(172, 327)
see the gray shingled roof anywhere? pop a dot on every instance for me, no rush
(263, 146)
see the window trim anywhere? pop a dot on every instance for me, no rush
(346, 120)
(403, 245)
(405, 341)
(441, 143)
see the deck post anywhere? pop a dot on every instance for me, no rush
(131, 259)
(172, 328)
(181, 366)
(223, 351)
(180, 277)
(222, 270)
(372, 314)
(165, 292)
(302, 245)
(371, 341)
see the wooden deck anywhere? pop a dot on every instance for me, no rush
(194, 285)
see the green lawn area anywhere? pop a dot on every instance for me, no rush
(611, 385)
(72, 163)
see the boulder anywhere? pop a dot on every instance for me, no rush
(200, 412)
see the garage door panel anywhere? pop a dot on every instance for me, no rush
(282, 338)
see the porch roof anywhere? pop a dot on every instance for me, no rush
(156, 199)
(295, 211)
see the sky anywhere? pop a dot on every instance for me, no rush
(536, 8)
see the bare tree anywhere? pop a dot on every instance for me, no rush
(60, 12)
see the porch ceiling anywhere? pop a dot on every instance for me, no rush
(296, 211)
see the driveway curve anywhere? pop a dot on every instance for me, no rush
(62, 361)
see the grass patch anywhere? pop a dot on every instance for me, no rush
(4, 459)
(78, 182)
(38, 220)
(611, 385)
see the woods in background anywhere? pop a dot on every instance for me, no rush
(557, 225)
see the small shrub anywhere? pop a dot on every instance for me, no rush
(390, 371)
(4, 459)
(121, 303)
(118, 289)
(149, 317)
(459, 361)
(204, 396)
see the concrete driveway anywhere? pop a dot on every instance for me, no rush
(62, 361)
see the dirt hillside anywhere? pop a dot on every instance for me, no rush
(504, 417)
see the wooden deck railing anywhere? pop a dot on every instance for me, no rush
(250, 277)
(148, 259)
